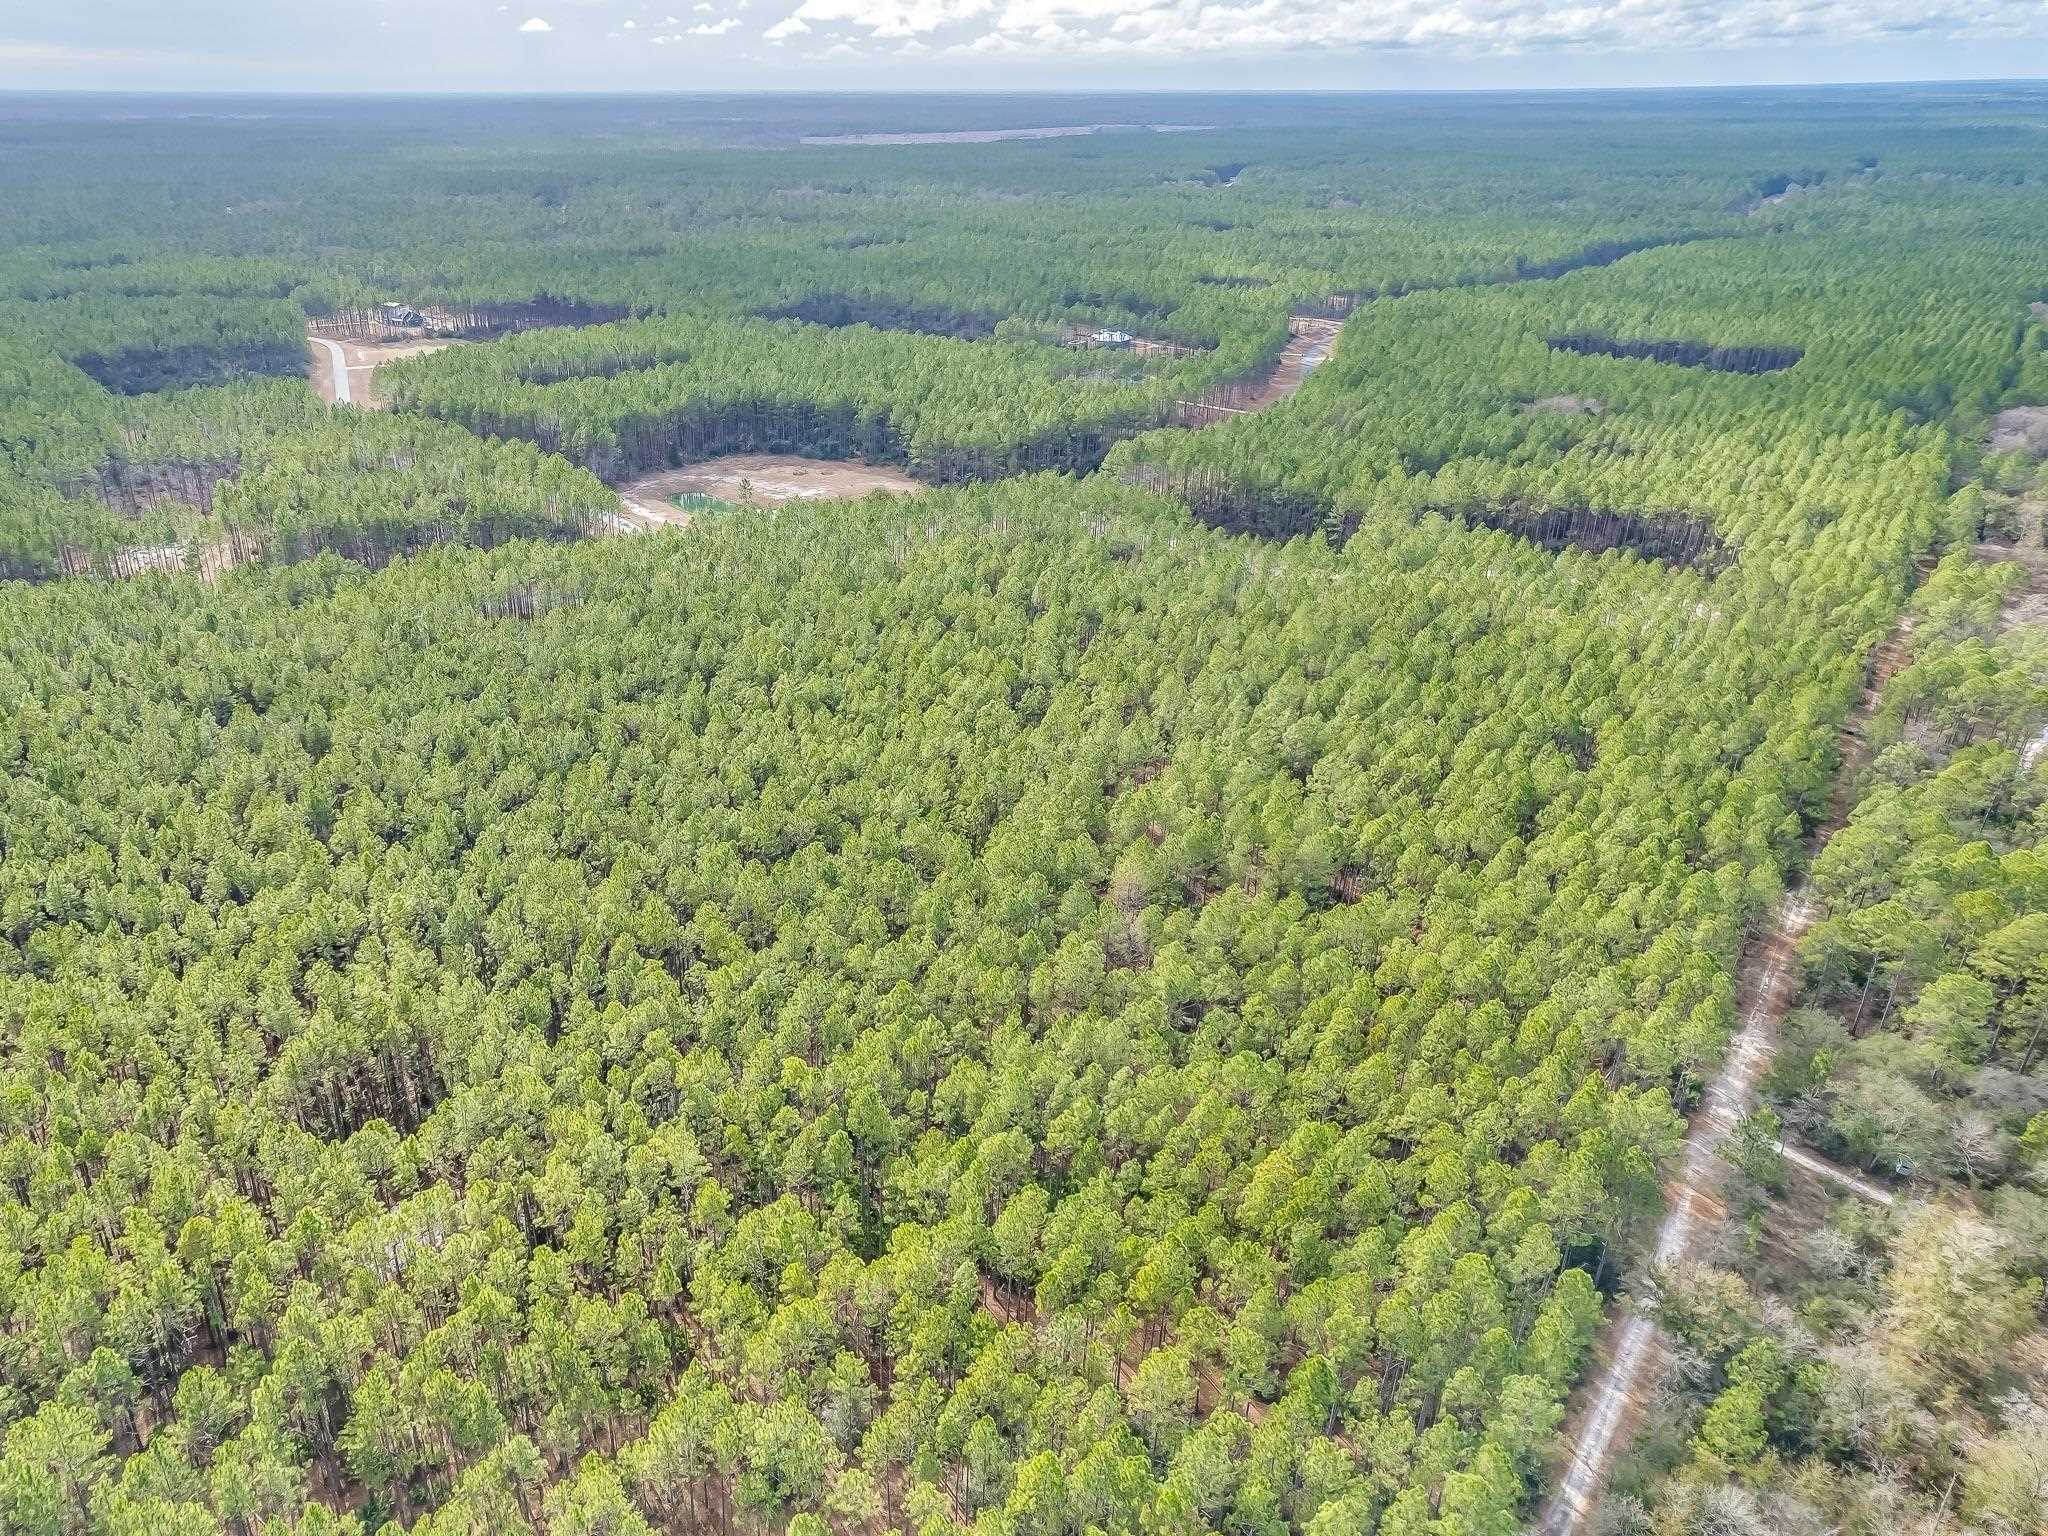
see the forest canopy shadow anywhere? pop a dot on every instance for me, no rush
(1677, 539)
(838, 310)
(1685, 354)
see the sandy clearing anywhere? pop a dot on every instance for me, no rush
(769, 479)
(1565, 405)
(1305, 352)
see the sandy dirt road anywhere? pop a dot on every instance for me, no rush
(330, 371)
(1693, 1209)
(1306, 350)
(1602, 1422)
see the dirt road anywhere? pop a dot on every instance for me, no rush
(1306, 350)
(1835, 1174)
(332, 384)
(1769, 981)
(1694, 1207)
(1304, 353)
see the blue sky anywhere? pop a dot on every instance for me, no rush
(697, 45)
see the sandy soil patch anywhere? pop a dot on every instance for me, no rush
(993, 135)
(1794, 190)
(2023, 428)
(1565, 405)
(760, 479)
(2039, 309)
(2029, 610)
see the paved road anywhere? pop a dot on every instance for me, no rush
(337, 366)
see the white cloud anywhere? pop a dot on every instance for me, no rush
(534, 24)
(892, 18)
(630, 25)
(715, 28)
(1459, 28)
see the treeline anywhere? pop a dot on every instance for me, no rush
(215, 478)
(1686, 354)
(840, 309)
(134, 345)
(1926, 957)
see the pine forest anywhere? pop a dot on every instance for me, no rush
(1191, 834)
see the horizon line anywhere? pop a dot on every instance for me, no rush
(594, 94)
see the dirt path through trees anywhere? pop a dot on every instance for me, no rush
(1307, 347)
(1769, 981)
(1835, 1174)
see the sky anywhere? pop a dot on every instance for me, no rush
(700, 45)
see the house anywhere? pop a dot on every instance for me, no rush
(1112, 338)
(399, 314)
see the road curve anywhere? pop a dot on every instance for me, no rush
(337, 364)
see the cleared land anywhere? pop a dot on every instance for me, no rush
(764, 479)
(1306, 349)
